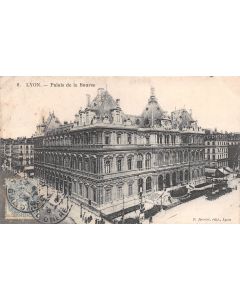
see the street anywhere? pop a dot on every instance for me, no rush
(223, 210)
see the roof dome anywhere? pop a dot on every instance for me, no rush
(153, 113)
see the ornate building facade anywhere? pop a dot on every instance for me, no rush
(105, 155)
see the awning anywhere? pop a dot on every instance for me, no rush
(222, 171)
(210, 171)
(228, 169)
(29, 168)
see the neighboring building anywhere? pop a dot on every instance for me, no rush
(23, 155)
(107, 155)
(234, 151)
(216, 149)
(6, 153)
(2, 151)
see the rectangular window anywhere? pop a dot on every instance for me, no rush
(107, 140)
(139, 164)
(130, 190)
(108, 195)
(119, 192)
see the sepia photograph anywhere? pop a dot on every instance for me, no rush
(120, 150)
(119, 113)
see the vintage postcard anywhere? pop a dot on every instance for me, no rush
(120, 150)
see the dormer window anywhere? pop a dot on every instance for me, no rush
(118, 117)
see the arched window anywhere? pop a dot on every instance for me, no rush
(197, 156)
(185, 156)
(80, 163)
(173, 157)
(118, 117)
(148, 184)
(86, 191)
(160, 158)
(159, 139)
(160, 182)
(167, 180)
(174, 178)
(93, 166)
(148, 161)
(193, 174)
(107, 167)
(119, 165)
(167, 158)
(86, 164)
(198, 173)
(129, 138)
(186, 175)
(139, 161)
(192, 156)
(181, 176)
(94, 196)
(119, 138)
(129, 163)
(180, 156)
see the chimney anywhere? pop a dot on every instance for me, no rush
(88, 99)
(118, 102)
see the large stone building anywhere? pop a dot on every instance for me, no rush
(106, 155)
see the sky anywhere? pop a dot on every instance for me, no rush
(215, 101)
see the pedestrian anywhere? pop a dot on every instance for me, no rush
(150, 219)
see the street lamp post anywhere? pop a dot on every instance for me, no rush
(189, 166)
(141, 204)
(123, 210)
(67, 203)
(81, 210)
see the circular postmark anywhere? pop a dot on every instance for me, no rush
(23, 196)
(51, 214)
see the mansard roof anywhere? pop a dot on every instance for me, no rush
(103, 103)
(181, 118)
